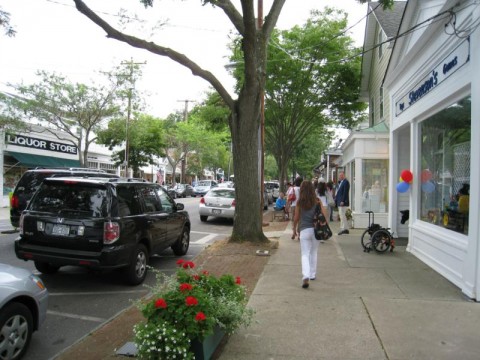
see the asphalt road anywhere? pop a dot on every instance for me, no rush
(82, 300)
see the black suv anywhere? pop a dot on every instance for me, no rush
(101, 223)
(31, 180)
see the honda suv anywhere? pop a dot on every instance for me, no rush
(101, 223)
(31, 180)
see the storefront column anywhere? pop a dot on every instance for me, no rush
(2, 147)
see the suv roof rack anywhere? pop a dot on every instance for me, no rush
(70, 169)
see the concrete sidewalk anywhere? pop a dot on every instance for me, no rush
(361, 306)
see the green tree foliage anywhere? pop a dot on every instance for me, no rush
(313, 81)
(5, 23)
(145, 140)
(75, 109)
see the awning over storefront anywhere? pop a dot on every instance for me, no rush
(30, 160)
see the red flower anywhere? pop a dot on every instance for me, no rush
(238, 280)
(188, 264)
(180, 262)
(205, 272)
(200, 316)
(185, 287)
(191, 301)
(160, 303)
(196, 277)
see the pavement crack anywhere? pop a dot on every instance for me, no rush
(374, 328)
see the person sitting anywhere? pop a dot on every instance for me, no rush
(281, 202)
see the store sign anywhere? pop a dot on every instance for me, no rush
(448, 66)
(41, 144)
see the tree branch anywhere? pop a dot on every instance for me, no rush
(232, 13)
(156, 49)
(272, 17)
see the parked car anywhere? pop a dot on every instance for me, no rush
(31, 180)
(101, 224)
(218, 202)
(203, 186)
(23, 309)
(184, 190)
(226, 184)
(273, 188)
(171, 191)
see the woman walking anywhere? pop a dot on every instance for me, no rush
(303, 219)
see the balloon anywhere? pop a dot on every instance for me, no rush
(428, 187)
(403, 187)
(426, 175)
(400, 179)
(407, 176)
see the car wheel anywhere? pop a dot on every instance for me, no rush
(137, 270)
(46, 268)
(183, 242)
(203, 218)
(16, 327)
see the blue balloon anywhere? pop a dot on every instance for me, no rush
(403, 187)
(428, 187)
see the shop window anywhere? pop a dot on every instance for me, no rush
(375, 182)
(445, 161)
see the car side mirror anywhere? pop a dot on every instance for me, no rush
(180, 206)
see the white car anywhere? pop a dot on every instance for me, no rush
(203, 186)
(218, 202)
(23, 308)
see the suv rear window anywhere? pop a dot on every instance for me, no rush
(61, 197)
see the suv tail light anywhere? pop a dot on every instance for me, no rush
(111, 232)
(202, 200)
(233, 203)
(14, 203)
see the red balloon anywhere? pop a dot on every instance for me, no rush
(407, 176)
(426, 175)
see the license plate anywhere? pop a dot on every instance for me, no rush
(215, 211)
(62, 230)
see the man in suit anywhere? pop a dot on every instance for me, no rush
(342, 202)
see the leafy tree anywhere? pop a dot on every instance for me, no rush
(244, 120)
(66, 108)
(5, 23)
(145, 140)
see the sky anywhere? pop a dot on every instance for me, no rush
(53, 36)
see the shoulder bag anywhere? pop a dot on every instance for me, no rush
(321, 229)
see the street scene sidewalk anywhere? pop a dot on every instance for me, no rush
(361, 306)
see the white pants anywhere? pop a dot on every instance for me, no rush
(343, 218)
(309, 250)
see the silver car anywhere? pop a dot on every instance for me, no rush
(218, 202)
(23, 308)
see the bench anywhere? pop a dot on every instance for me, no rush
(279, 214)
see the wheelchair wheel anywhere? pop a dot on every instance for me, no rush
(366, 241)
(381, 240)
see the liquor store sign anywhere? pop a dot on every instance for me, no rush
(447, 67)
(41, 144)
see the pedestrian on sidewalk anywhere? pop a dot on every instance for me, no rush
(330, 198)
(292, 197)
(303, 219)
(322, 195)
(342, 202)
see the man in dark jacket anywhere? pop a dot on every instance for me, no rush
(342, 202)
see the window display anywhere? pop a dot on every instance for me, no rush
(445, 160)
(375, 182)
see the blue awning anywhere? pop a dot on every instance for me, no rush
(30, 160)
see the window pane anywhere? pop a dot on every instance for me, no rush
(375, 182)
(445, 161)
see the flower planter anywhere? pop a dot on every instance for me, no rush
(204, 350)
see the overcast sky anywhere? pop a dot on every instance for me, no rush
(52, 35)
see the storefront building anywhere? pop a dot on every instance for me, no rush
(431, 80)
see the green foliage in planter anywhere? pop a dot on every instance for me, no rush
(186, 306)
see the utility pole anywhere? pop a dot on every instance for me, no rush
(131, 65)
(184, 160)
(262, 121)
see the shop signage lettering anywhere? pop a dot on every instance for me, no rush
(41, 144)
(454, 61)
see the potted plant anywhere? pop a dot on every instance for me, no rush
(188, 314)
(349, 216)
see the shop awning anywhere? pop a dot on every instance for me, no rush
(30, 160)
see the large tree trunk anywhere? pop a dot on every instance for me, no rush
(245, 124)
